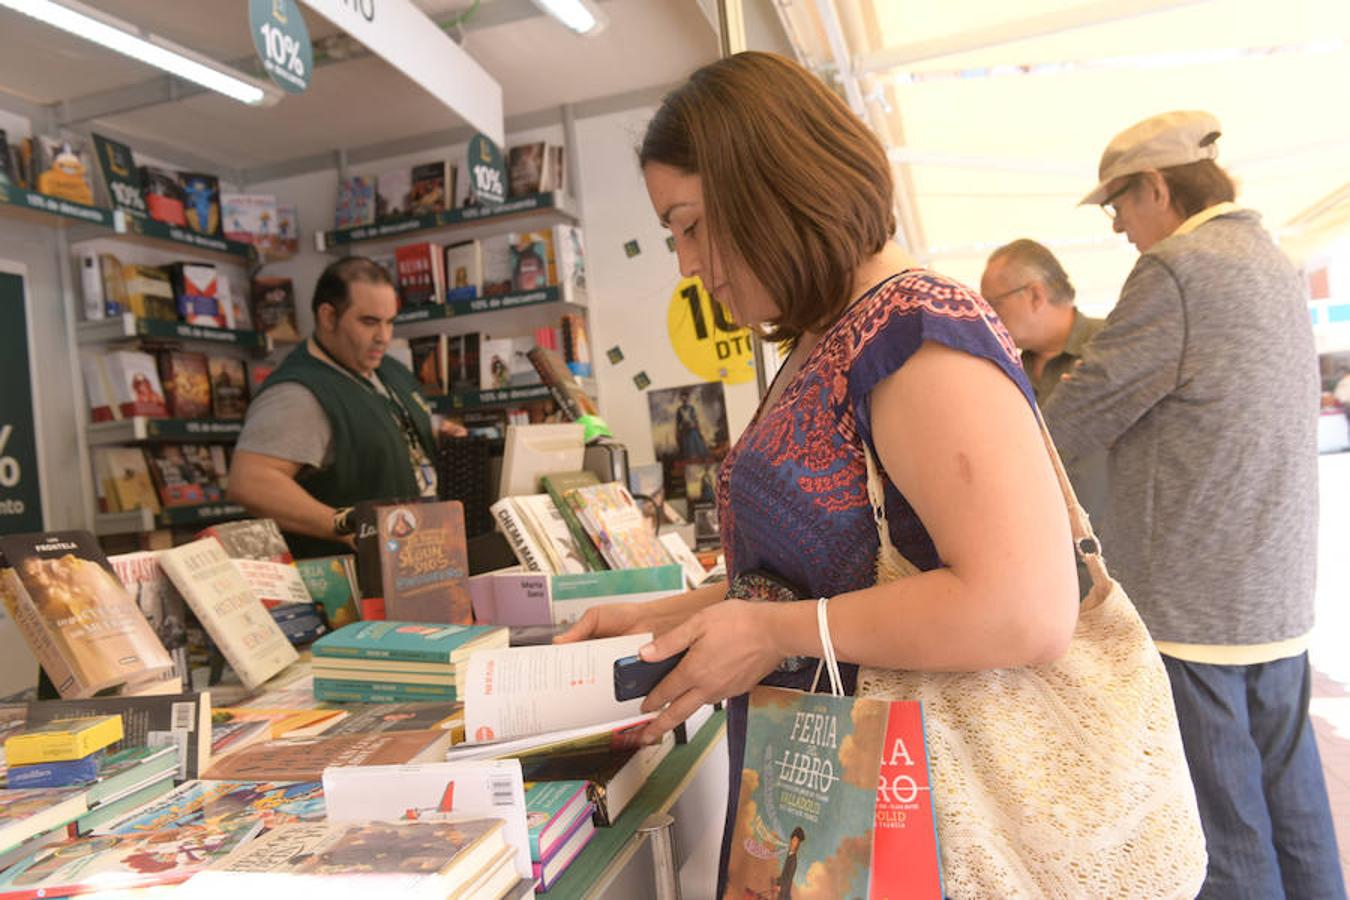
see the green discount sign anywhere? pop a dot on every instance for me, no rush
(282, 42)
(705, 338)
(487, 174)
(20, 492)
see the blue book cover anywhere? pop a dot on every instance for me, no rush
(56, 774)
(412, 641)
(227, 806)
(807, 803)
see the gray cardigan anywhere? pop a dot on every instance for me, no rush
(1203, 385)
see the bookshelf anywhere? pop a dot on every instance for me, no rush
(139, 429)
(449, 403)
(529, 213)
(26, 205)
(137, 521)
(127, 327)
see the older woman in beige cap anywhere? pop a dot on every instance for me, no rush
(1203, 388)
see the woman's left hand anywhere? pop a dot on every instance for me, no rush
(730, 650)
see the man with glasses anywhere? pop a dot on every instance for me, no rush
(1203, 386)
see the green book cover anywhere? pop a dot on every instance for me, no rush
(379, 692)
(551, 808)
(804, 817)
(121, 176)
(613, 582)
(412, 641)
(328, 583)
(558, 484)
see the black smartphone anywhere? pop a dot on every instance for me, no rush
(633, 677)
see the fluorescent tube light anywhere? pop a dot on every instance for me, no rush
(582, 16)
(96, 26)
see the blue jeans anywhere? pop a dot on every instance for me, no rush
(1258, 778)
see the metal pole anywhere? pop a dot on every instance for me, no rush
(660, 831)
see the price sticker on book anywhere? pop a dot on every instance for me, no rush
(705, 338)
(487, 173)
(282, 41)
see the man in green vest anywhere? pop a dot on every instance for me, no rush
(338, 422)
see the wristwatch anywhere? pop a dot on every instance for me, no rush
(342, 522)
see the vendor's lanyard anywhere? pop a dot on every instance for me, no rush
(405, 419)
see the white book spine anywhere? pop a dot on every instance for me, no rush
(529, 553)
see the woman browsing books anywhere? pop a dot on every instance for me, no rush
(781, 201)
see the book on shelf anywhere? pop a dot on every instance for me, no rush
(432, 188)
(431, 363)
(186, 378)
(249, 218)
(164, 197)
(130, 382)
(121, 177)
(62, 169)
(287, 243)
(355, 202)
(259, 553)
(201, 202)
(463, 351)
(149, 293)
(392, 195)
(273, 308)
(102, 286)
(304, 759)
(232, 614)
(556, 484)
(463, 270)
(530, 261)
(517, 691)
(617, 526)
(358, 860)
(552, 808)
(435, 791)
(232, 805)
(421, 274)
(421, 560)
(106, 863)
(229, 387)
(179, 481)
(331, 582)
(534, 168)
(78, 619)
(496, 265)
(196, 290)
(504, 363)
(548, 870)
(26, 813)
(129, 478)
(8, 174)
(178, 720)
(613, 775)
(562, 384)
(576, 345)
(62, 739)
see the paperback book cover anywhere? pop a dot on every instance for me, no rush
(121, 176)
(463, 270)
(63, 170)
(431, 190)
(331, 582)
(392, 196)
(355, 202)
(164, 197)
(197, 293)
(119, 862)
(421, 278)
(616, 525)
(431, 358)
(229, 610)
(129, 478)
(62, 739)
(179, 720)
(132, 381)
(8, 173)
(250, 218)
(559, 483)
(57, 773)
(552, 808)
(273, 308)
(423, 562)
(229, 387)
(226, 806)
(149, 293)
(287, 243)
(549, 869)
(201, 206)
(261, 556)
(388, 859)
(25, 813)
(529, 261)
(187, 383)
(805, 814)
(80, 622)
(304, 759)
(180, 482)
(526, 168)
(414, 716)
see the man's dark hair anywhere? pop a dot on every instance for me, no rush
(334, 285)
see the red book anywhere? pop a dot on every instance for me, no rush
(420, 278)
(905, 860)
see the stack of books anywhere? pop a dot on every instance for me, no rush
(561, 820)
(60, 753)
(389, 662)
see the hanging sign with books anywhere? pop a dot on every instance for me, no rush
(487, 172)
(20, 493)
(282, 42)
(705, 338)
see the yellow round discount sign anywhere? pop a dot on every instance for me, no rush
(704, 337)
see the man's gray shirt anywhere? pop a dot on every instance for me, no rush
(1203, 387)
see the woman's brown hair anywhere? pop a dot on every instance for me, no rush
(1197, 186)
(793, 182)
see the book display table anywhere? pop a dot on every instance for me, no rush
(690, 785)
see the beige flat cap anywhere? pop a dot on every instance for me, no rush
(1169, 139)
